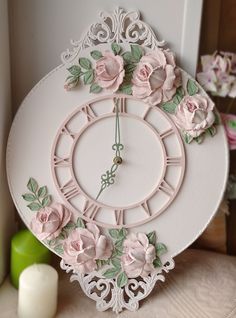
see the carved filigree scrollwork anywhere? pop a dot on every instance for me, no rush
(119, 27)
(107, 294)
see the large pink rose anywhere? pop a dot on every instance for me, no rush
(195, 114)
(229, 121)
(84, 246)
(156, 77)
(138, 256)
(110, 71)
(48, 221)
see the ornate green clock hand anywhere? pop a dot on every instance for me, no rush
(108, 178)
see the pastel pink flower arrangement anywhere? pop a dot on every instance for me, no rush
(110, 71)
(153, 76)
(84, 246)
(138, 255)
(194, 115)
(156, 77)
(218, 74)
(49, 221)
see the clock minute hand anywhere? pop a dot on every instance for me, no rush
(117, 146)
(108, 178)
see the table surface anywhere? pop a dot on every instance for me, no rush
(202, 285)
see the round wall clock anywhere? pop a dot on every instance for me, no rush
(86, 167)
(117, 162)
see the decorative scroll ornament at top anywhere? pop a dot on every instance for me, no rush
(119, 27)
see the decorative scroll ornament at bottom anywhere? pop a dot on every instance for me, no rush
(107, 294)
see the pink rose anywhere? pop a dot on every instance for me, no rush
(230, 129)
(156, 77)
(138, 256)
(216, 76)
(216, 62)
(195, 114)
(110, 71)
(84, 246)
(48, 221)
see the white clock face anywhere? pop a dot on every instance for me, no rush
(146, 181)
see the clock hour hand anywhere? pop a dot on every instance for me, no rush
(108, 178)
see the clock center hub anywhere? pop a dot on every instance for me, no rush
(117, 160)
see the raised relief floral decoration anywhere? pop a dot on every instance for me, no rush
(153, 77)
(118, 254)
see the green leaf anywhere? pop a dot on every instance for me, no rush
(32, 185)
(115, 48)
(46, 201)
(114, 253)
(199, 139)
(99, 263)
(129, 68)
(102, 262)
(85, 63)
(88, 77)
(192, 87)
(75, 70)
(160, 249)
(96, 55)
(95, 88)
(217, 118)
(80, 223)
(187, 138)
(169, 107)
(29, 197)
(52, 242)
(119, 252)
(116, 263)
(212, 131)
(70, 226)
(69, 77)
(111, 272)
(157, 262)
(180, 91)
(119, 245)
(127, 56)
(122, 233)
(122, 280)
(34, 206)
(126, 89)
(72, 83)
(152, 237)
(42, 192)
(178, 96)
(62, 235)
(114, 233)
(136, 52)
(59, 249)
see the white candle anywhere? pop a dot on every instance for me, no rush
(38, 286)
